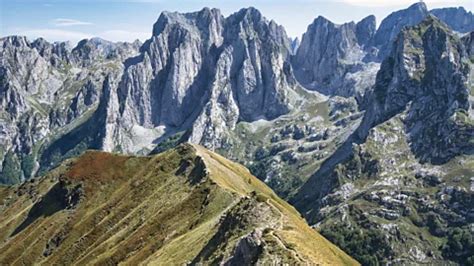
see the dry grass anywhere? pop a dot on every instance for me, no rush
(308, 243)
(143, 210)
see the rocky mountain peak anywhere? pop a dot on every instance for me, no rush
(251, 23)
(196, 62)
(41, 45)
(365, 30)
(457, 18)
(418, 51)
(423, 82)
(295, 44)
(419, 126)
(252, 79)
(15, 41)
(394, 23)
(330, 53)
(201, 19)
(426, 75)
(89, 50)
(249, 14)
(419, 6)
(321, 20)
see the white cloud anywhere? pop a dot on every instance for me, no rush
(56, 35)
(391, 3)
(67, 22)
(123, 35)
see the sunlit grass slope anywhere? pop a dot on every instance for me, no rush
(184, 206)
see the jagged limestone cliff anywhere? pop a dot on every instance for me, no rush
(47, 90)
(403, 180)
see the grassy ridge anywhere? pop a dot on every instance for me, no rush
(184, 205)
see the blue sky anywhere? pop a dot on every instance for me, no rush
(127, 20)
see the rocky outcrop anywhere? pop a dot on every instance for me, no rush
(391, 26)
(468, 41)
(419, 114)
(294, 45)
(342, 59)
(88, 51)
(365, 30)
(204, 72)
(165, 85)
(253, 77)
(330, 58)
(46, 90)
(457, 19)
(426, 74)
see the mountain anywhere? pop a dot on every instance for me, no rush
(294, 45)
(186, 205)
(391, 26)
(402, 183)
(457, 19)
(45, 90)
(226, 83)
(200, 73)
(368, 132)
(329, 56)
(343, 59)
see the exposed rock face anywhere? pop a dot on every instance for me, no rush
(342, 59)
(365, 30)
(46, 89)
(166, 84)
(419, 113)
(468, 41)
(253, 77)
(89, 50)
(203, 70)
(199, 72)
(457, 19)
(295, 44)
(330, 57)
(394, 23)
(429, 73)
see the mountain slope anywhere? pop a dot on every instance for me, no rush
(406, 172)
(196, 77)
(343, 59)
(47, 90)
(457, 19)
(186, 205)
(330, 58)
(391, 26)
(201, 73)
(223, 82)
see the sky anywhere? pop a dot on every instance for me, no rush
(128, 20)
